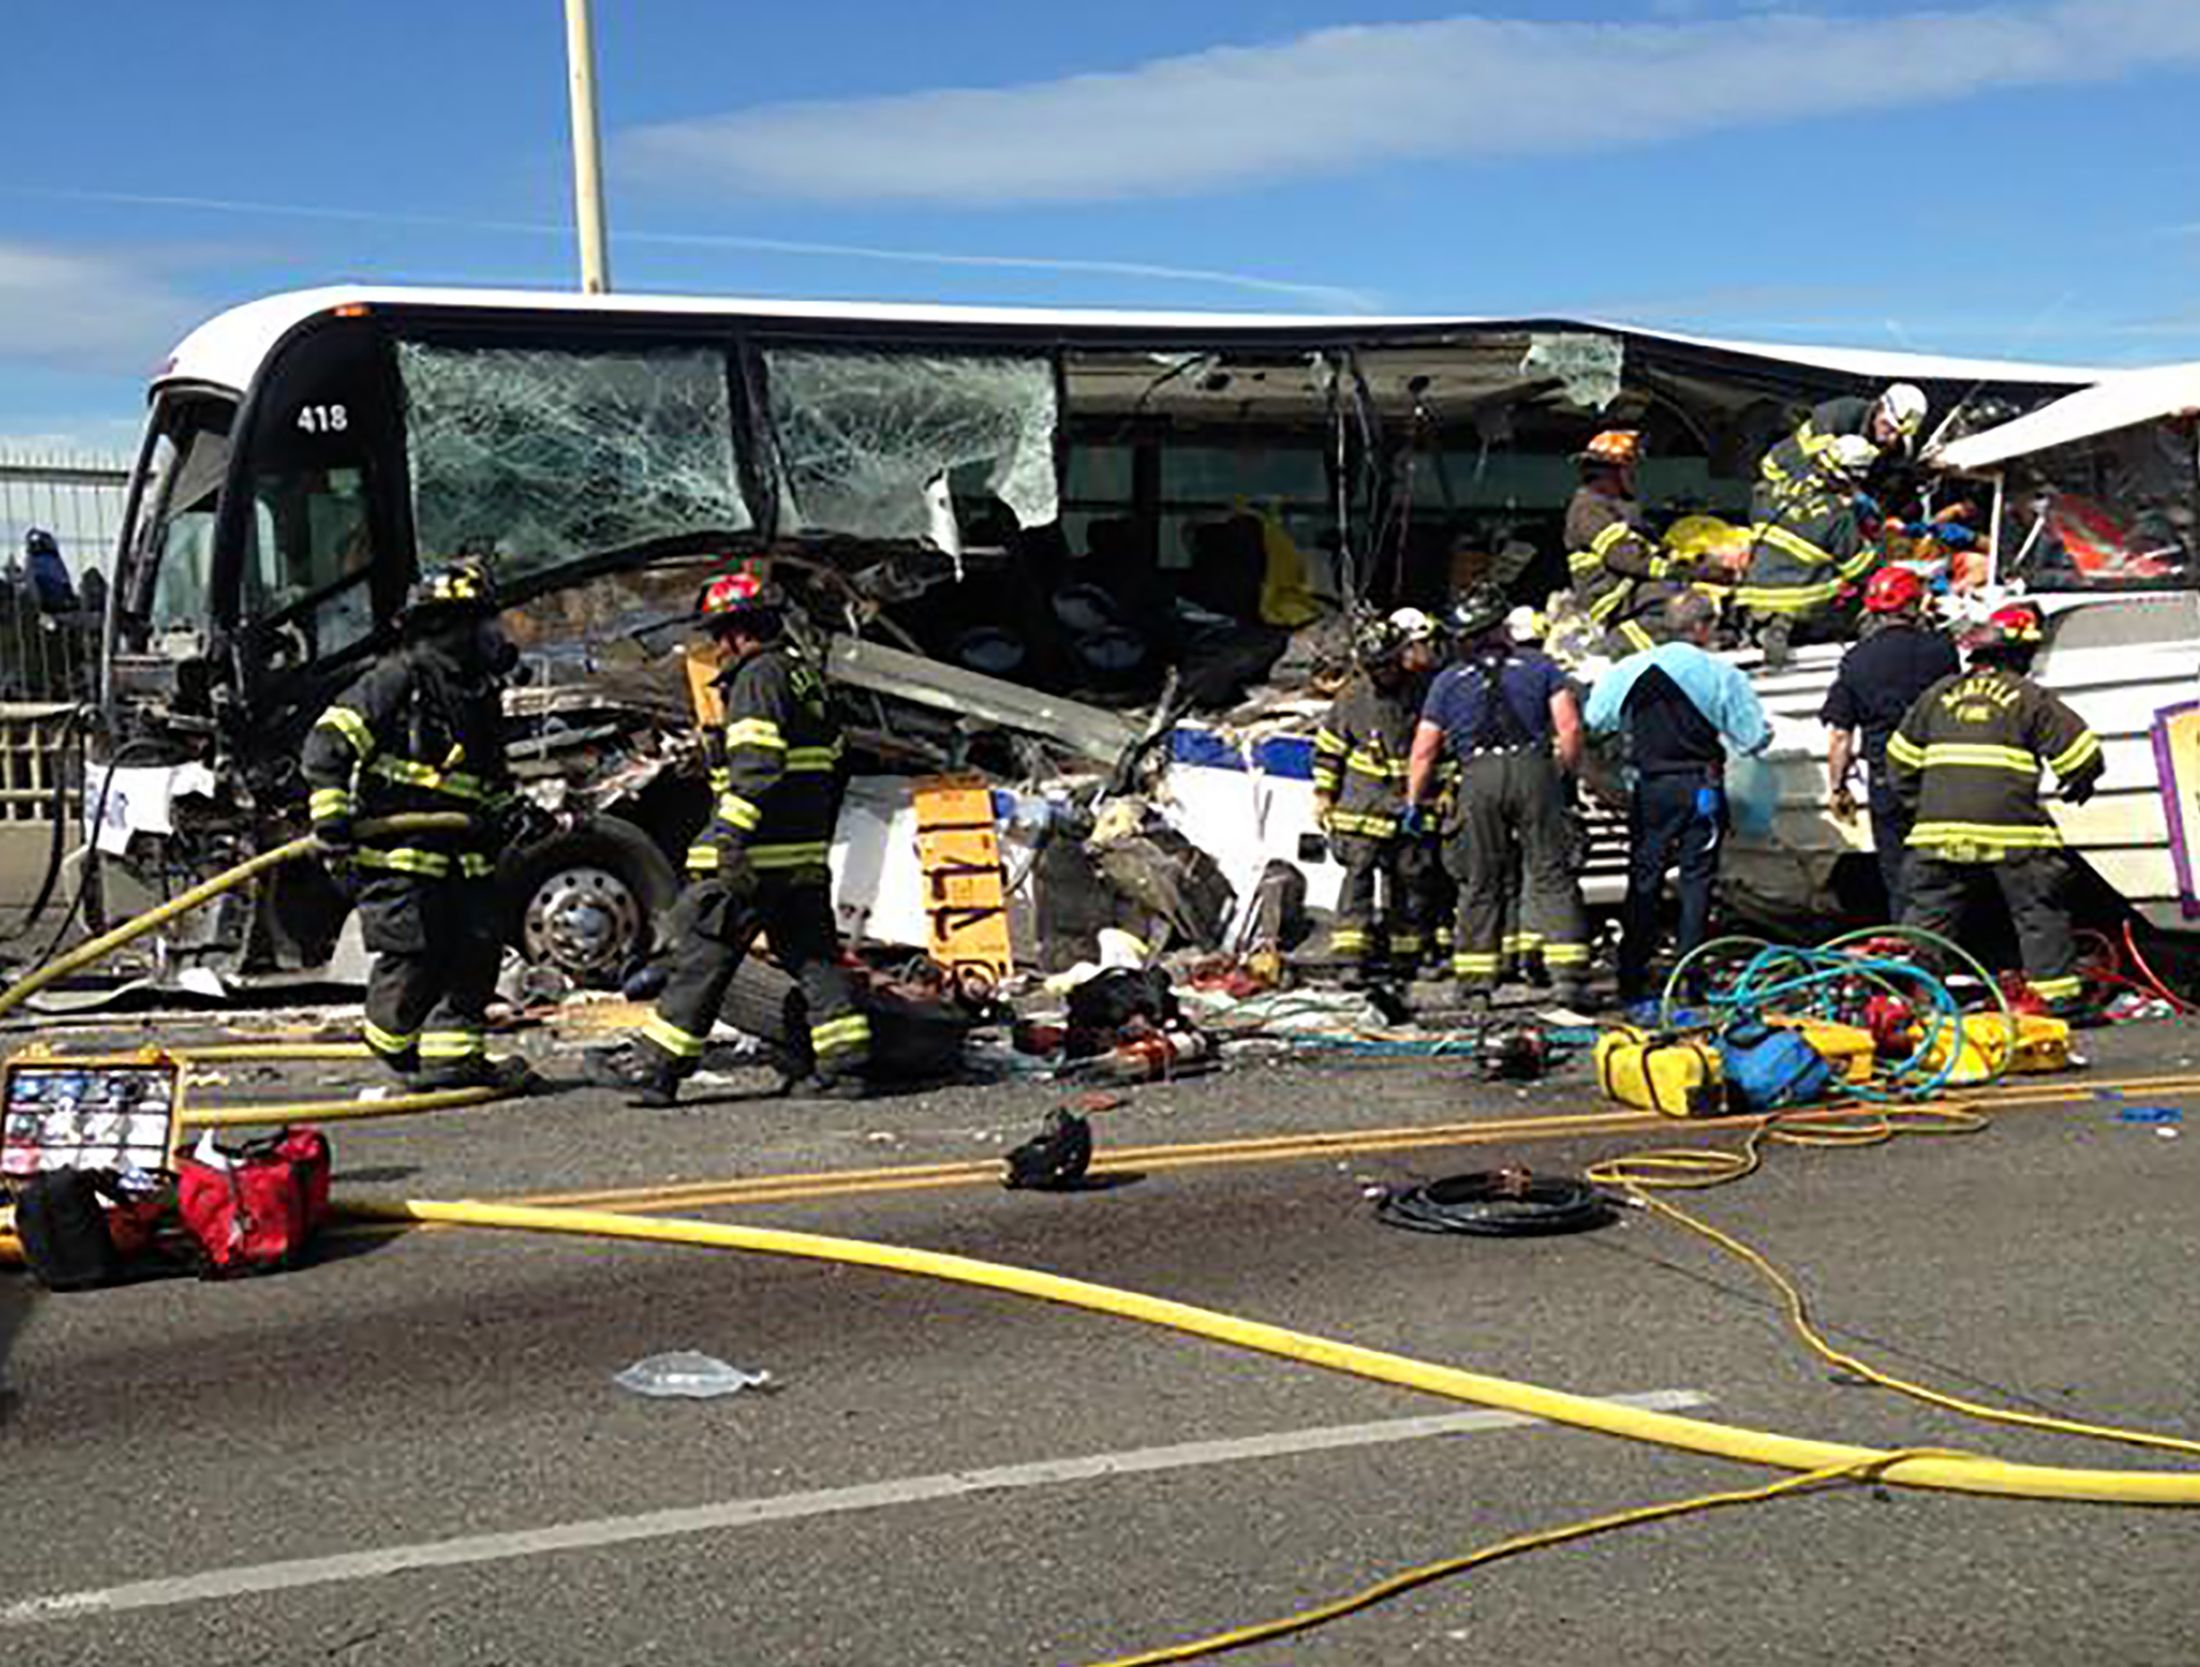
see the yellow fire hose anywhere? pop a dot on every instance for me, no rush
(1957, 1473)
(99, 948)
(306, 845)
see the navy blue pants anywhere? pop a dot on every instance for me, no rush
(1666, 828)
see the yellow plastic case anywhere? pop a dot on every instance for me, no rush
(1681, 1076)
(2041, 1045)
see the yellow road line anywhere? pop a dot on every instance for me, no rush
(797, 1187)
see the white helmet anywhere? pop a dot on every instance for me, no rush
(1903, 405)
(1524, 625)
(1412, 625)
(1852, 455)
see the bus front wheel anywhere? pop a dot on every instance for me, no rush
(587, 900)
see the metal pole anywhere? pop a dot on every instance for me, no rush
(580, 57)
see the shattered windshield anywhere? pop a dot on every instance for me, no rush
(863, 436)
(2113, 512)
(539, 458)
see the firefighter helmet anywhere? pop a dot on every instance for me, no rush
(462, 584)
(1903, 405)
(731, 598)
(1615, 448)
(1412, 625)
(1893, 590)
(1480, 610)
(2018, 625)
(1851, 456)
(1377, 642)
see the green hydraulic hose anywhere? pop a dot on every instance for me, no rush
(306, 845)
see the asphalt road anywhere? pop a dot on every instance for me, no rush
(445, 1397)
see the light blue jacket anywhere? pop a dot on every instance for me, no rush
(1717, 689)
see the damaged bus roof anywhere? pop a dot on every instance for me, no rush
(228, 349)
(2119, 401)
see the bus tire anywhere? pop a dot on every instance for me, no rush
(588, 900)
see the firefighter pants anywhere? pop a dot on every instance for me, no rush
(1669, 824)
(2034, 885)
(1389, 901)
(1512, 807)
(437, 950)
(717, 926)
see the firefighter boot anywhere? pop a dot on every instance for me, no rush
(646, 1076)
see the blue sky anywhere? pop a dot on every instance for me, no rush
(2006, 180)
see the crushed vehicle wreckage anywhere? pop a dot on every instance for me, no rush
(1108, 563)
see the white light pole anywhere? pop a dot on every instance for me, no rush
(580, 58)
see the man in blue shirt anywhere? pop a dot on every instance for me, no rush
(1681, 708)
(1880, 678)
(1505, 717)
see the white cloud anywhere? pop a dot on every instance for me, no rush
(86, 310)
(1347, 97)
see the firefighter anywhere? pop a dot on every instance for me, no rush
(1431, 897)
(1622, 577)
(771, 829)
(1608, 547)
(1809, 542)
(1966, 761)
(1902, 655)
(1891, 422)
(424, 731)
(1808, 547)
(1506, 718)
(1360, 755)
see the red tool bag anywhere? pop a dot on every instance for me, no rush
(256, 1207)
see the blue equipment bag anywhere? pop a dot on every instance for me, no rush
(1770, 1068)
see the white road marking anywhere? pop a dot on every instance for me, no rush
(600, 1532)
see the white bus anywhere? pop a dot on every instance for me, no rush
(972, 485)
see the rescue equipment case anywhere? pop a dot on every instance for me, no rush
(1681, 1076)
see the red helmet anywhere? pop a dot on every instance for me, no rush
(730, 596)
(2018, 625)
(1891, 590)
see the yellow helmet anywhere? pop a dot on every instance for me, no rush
(464, 583)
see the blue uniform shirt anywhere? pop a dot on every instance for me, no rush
(1458, 703)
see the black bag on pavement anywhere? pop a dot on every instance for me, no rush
(1107, 1001)
(1053, 1160)
(63, 1228)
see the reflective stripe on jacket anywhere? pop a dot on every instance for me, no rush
(775, 800)
(1360, 756)
(1967, 758)
(411, 735)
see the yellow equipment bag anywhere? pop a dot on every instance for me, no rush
(1849, 1049)
(2041, 1044)
(1680, 1076)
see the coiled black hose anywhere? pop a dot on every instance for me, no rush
(1497, 1203)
